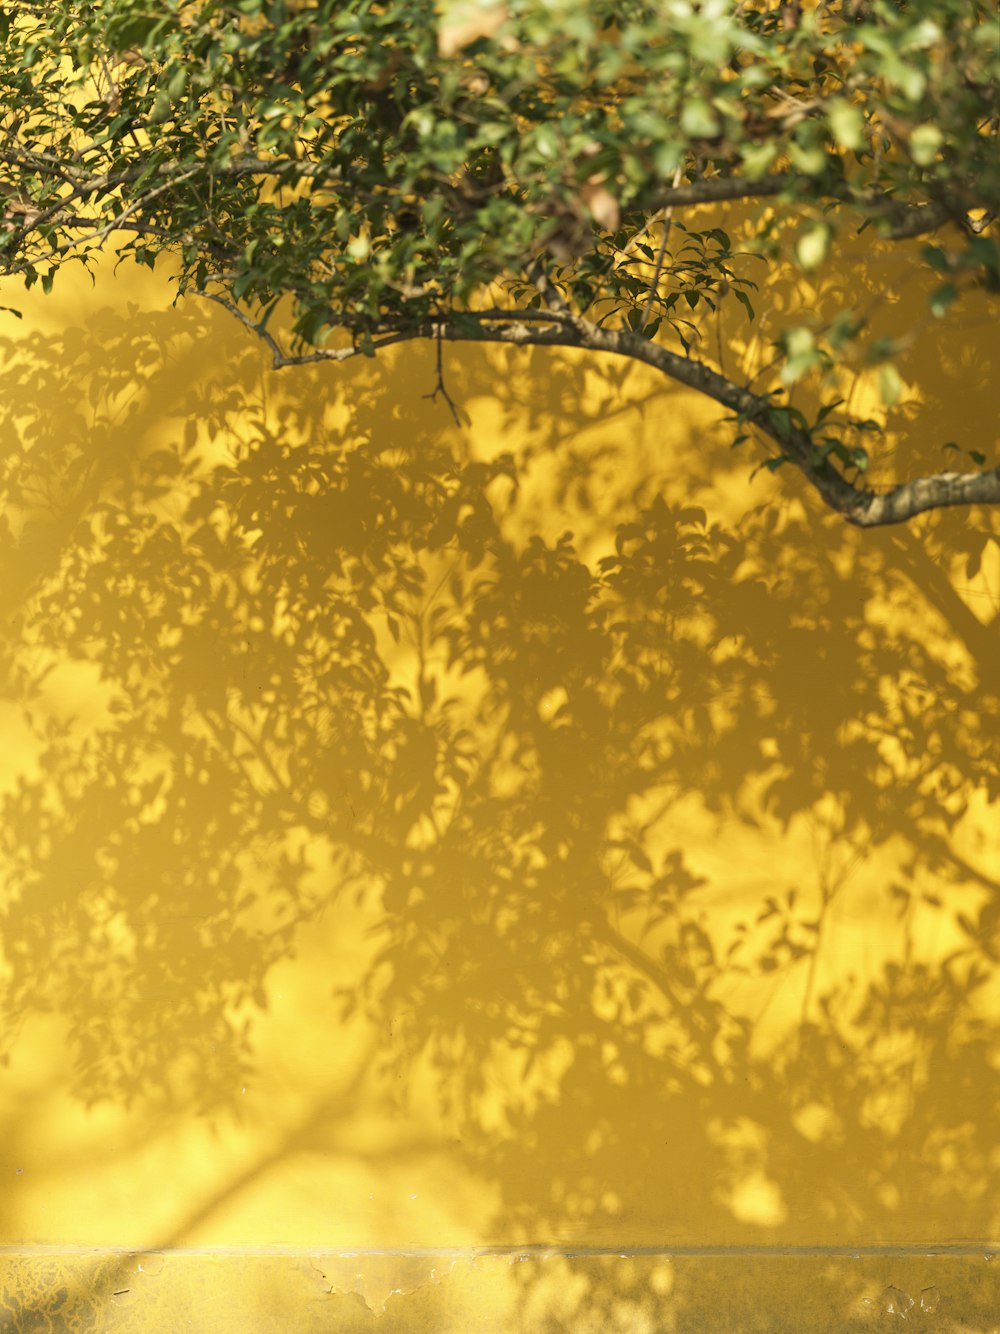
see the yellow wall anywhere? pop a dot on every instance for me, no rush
(606, 933)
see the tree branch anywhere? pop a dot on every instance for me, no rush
(941, 490)
(440, 387)
(909, 219)
(860, 505)
(917, 220)
(724, 189)
(661, 254)
(280, 358)
(905, 220)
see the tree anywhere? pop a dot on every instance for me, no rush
(522, 173)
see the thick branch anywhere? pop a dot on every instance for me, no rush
(859, 505)
(907, 221)
(723, 189)
(939, 491)
(567, 330)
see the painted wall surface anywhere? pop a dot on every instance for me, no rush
(523, 875)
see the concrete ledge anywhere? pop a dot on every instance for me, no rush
(531, 1291)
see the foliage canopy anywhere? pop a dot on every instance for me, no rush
(521, 172)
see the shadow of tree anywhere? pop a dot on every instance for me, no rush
(673, 839)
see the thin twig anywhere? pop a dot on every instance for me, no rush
(280, 358)
(668, 216)
(277, 352)
(554, 300)
(100, 234)
(440, 387)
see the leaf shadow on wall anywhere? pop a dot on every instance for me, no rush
(677, 862)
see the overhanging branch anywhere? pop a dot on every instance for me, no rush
(860, 505)
(938, 491)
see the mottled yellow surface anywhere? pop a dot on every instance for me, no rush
(436, 839)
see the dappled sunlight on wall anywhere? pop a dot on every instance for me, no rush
(421, 835)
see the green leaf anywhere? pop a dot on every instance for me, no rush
(667, 158)
(811, 161)
(890, 384)
(800, 341)
(161, 108)
(882, 349)
(799, 345)
(177, 84)
(698, 120)
(983, 251)
(936, 258)
(925, 141)
(744, 301)
(847, 123)
(942, 299)
(813, 245)
(758, 159)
